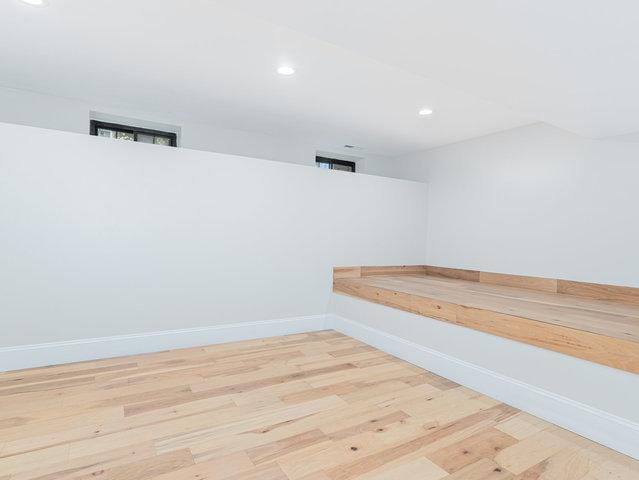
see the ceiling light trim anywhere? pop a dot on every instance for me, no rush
(35, 3)
(286, 70)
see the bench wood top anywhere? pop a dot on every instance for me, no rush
(599, 323)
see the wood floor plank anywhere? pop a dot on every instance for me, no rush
(529, 452)
(92, 466)
(568, 464)
(419, 469)
(272, 451)
(151, 467)
(218, 469)
(26, 379)
(51, 427)
(316, 406)
(486, 444)
(216, 437)
(484, 469)
(12, 464)
(522, 426)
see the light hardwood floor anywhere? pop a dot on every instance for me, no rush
(317, 406)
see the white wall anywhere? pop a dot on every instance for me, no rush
(101, 237)
(249, 144)
(38, 110)
(534, 200)
(28, 108)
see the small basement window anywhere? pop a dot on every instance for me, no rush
(335, 164)
(133, 134)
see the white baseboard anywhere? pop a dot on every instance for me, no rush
(54, 353)
(602, 427)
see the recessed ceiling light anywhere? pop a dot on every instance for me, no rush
(426, 111)
(286, 70)
(36, 3)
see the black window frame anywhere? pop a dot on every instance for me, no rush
(335, 161)
(96, 124)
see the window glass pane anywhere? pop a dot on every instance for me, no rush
(126, 136)
(131, 133)
(324, 165)
(103, 132)
(345, 168)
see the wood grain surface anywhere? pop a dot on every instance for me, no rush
(317, 406)
(526, 309)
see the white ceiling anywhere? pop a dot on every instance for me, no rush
(571, 63)
(364, 67)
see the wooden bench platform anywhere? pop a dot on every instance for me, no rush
(599, 323)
